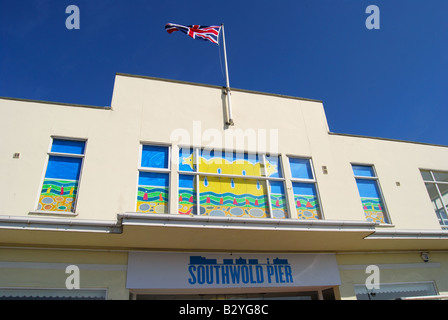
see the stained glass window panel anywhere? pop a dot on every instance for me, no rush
(233, 197)
(60, 186)
(187, 160)
(306, 201)
(371, 200)
(278, 200)
(153, 189)
(187, 195)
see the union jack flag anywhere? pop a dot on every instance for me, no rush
(207, 33)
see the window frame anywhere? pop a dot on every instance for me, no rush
(67, 155)
(197, 174)
(306, 181)
(443, 222)
(154, 170)
(388, 220)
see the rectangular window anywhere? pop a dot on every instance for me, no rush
(306, 197)
(370, 193)
(153, 180)
(60, 186)
(436, 183)
(230, 184)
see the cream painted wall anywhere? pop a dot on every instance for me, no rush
(41, 268)
(154, 110)
(408, 204)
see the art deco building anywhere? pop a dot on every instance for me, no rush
(156, 197)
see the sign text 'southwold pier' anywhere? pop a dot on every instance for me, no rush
(205, 271)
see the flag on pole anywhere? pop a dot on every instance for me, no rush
(207, 33)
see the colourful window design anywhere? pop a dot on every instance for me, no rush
(230, 184)
(187, 195)
(306, 201)
(278, 199)
(60, 186)
(306, 197)
(370, 193)
(232, 197)
(153, 181)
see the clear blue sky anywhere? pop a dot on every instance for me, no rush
(390, 82)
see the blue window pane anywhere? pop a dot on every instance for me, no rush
(363, 171)
(368, 188)
(66, 168)
(273, 167)
(68, 146)
(186, 159)
(187, 195)
(230, 156)
(278, 200)
(155, 157)
(277, 187)
(153, 179)
(236, 163)
(186, 181)
(301, 168)
(305, 189)
(306, 200)
(153, 192)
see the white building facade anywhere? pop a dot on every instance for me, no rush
(156, 197)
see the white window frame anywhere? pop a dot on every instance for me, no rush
(197, 174)
(443, 222)
(154, 170)
(376, 179)
(302, 180)
(61, 154)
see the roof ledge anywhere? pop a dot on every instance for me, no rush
(176, 220)
(58, 224)
(409, 234)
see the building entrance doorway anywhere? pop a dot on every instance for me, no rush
(326, 294)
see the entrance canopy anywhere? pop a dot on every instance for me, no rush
(201, 272)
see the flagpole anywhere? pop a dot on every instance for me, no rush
(229, 105)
